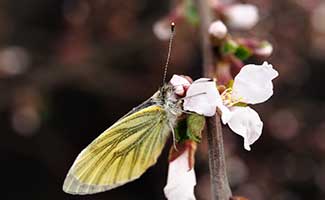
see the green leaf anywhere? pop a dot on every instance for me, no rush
(191, 13)
(180, 130)
(195, 126)
(190, 128)
(228, 47)
(242, 53)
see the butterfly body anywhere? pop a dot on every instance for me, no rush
(128, 148)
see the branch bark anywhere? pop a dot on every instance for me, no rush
(218, 176)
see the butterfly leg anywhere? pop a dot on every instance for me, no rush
(174, 137)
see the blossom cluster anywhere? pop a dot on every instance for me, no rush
(252, 85)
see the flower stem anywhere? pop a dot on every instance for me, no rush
(218, 176)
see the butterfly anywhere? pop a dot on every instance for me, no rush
(124, 151)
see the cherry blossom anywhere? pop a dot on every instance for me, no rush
(252, 85)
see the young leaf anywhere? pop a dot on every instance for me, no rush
(190, 128)
(229, 47)
(242, 52)
(195, 126)
(180, 131)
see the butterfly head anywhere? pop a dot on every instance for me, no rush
(166, 92)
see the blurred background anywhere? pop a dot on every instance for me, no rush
(70, 68)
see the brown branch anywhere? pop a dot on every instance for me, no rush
(218, 176)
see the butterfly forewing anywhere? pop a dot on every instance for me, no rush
(121, 154)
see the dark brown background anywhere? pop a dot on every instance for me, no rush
(69, 69)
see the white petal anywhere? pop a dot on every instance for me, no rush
(181, 180)
(242, 16)
(218, 29)
(179, 83)
(246, 123)
(253, 84)
(226, 114)
(202, 97)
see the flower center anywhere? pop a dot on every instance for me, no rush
(228, 99)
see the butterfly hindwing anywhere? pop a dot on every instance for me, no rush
(121, 154)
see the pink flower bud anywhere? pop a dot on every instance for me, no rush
(218, 29)
(264, 50)
(181, 84)
(241, 16)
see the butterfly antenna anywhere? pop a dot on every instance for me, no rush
(172, 28)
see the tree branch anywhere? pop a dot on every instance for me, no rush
(218, 176)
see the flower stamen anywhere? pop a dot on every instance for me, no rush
(228, 99)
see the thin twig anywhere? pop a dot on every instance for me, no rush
(218, 176)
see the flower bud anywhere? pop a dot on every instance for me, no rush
(161, 29)
(258, 47)
(180, 84)
(218, 29)
(264, 50)
(241, 16)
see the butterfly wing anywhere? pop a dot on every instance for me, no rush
(121, 154)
